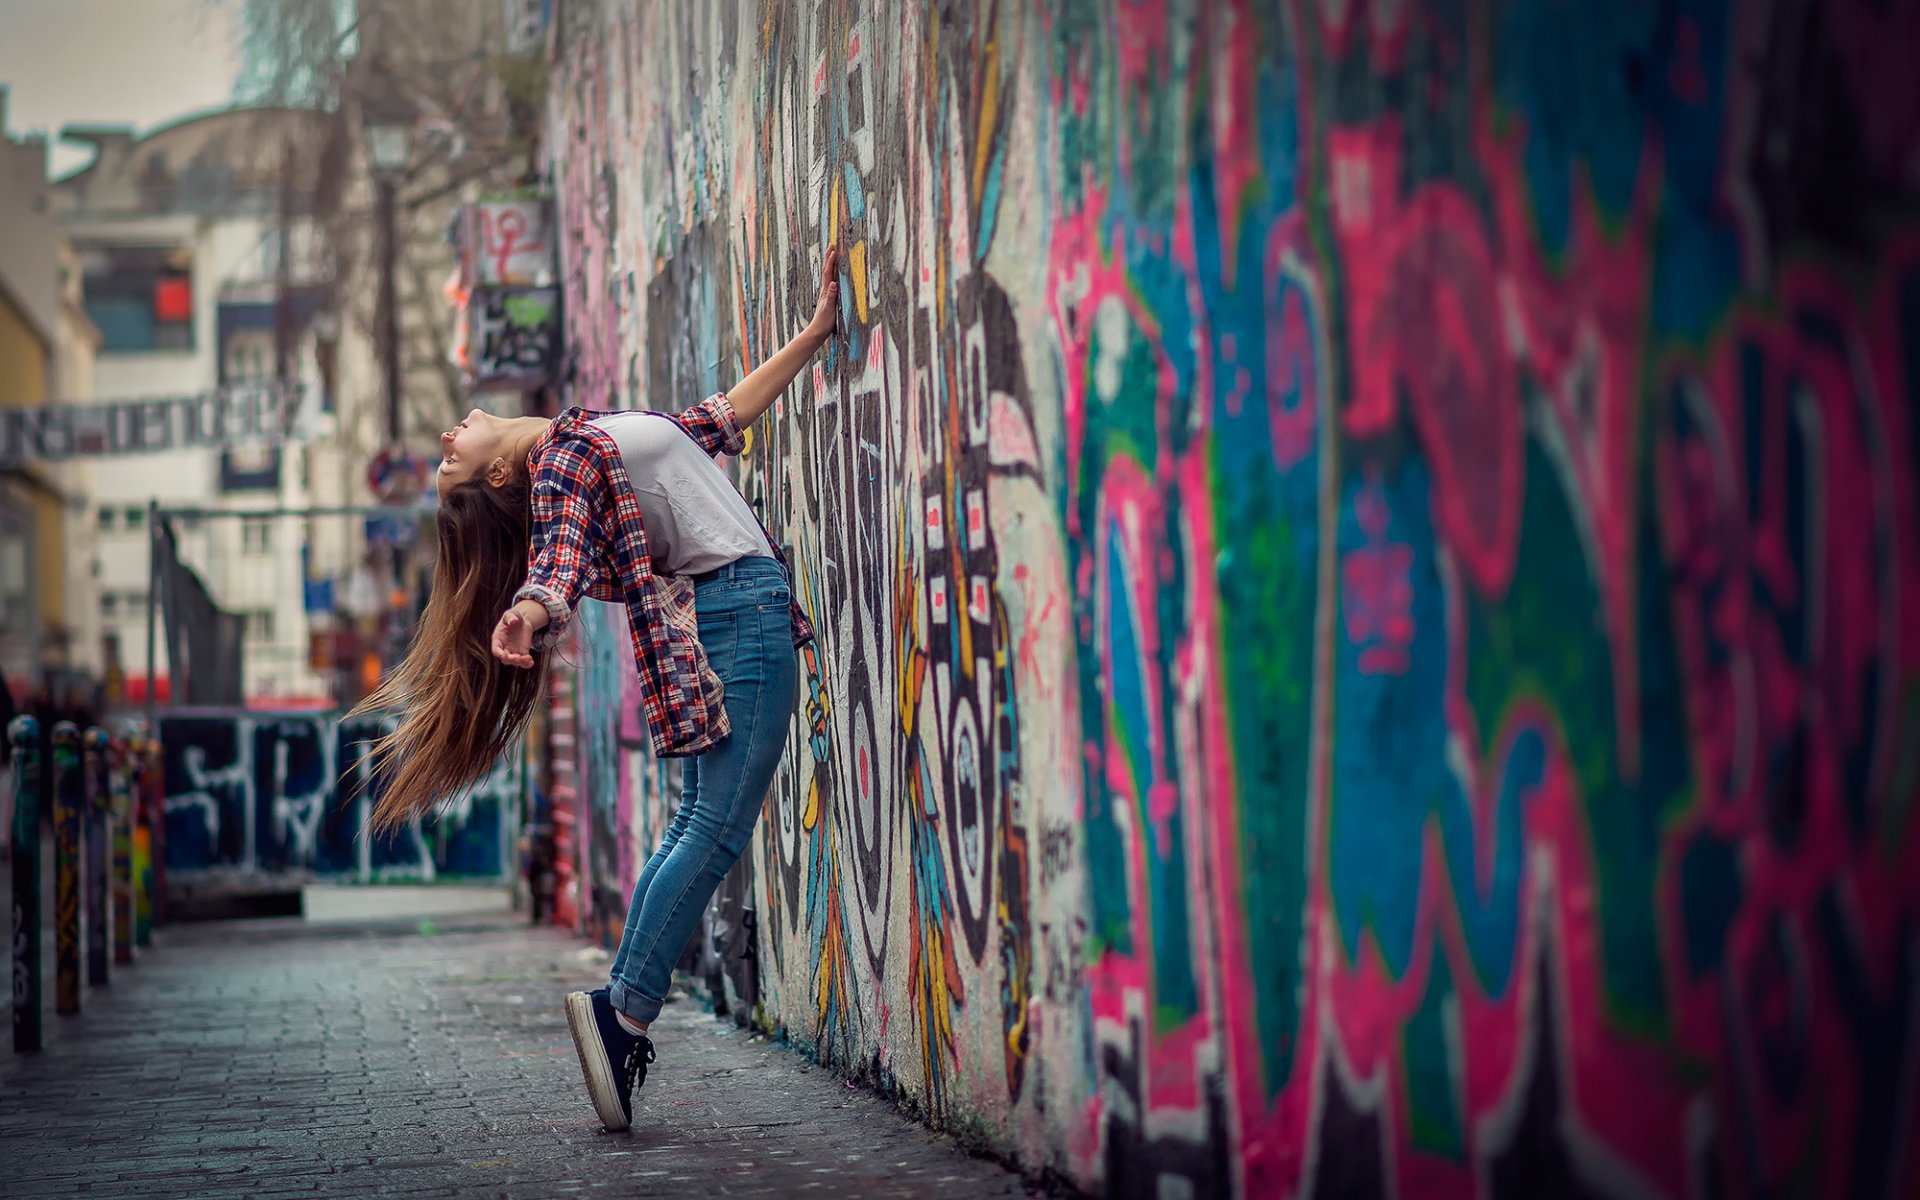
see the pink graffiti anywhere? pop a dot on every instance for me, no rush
(1236, 114)
(1422, 309)
(1089, 272)
(586, 236)
(1740, 601)
(1131, 512)
(1727, 536)
(504, 237)
(1385, 24)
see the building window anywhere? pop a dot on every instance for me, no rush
(247, 356)
(260, 625)
(136, 518)
(16, 580)
(256, 535)
(109, 604)
(250, 469)
(141, 297)
(106, 520)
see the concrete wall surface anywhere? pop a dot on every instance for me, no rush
(1365, 559)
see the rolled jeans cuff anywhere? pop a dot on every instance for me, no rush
(644, 1009)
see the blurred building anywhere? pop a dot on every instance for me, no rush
(201, 270)
(49, 625)
(265, 245)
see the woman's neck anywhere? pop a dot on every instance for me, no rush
(523, 432)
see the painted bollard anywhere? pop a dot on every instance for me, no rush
(24, 733)
(68, 799)
(145, 803)
(120, 793)
(98, 922)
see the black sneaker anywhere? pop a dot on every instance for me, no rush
(613, 1060)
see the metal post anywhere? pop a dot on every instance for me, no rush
(150, 786)
(283, 275)
(390, 351)
(67, 801)
(24, 732)
(153, 613)
(99, 895)
(389, 305)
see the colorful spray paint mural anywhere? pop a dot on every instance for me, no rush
(1365, 560)
(285, 795)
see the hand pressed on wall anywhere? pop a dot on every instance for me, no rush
(826, 309)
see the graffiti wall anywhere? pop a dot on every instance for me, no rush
(287, 794)
(1365, 561)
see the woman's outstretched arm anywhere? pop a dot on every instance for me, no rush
(754, 394)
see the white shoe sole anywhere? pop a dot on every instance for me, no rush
(593, 1062)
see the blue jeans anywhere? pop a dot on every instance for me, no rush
(748, 636)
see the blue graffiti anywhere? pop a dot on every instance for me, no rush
(1577, 74)
(1392, 779)
(287, 796)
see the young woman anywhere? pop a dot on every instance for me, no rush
(628, 507)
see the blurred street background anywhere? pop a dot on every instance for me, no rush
(1366, 559)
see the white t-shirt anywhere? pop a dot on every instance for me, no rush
(696, 519)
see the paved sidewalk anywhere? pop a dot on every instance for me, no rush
(276, 1059)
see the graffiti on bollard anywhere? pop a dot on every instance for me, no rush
(120, 793)
(98, 922)
(146, 805)
(67, 803)
(24, 733)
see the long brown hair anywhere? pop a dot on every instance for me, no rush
(460, 706)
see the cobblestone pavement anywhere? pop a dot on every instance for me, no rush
(275, 1059)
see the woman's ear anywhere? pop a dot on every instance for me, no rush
(499, 473)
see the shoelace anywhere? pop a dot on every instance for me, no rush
(637, 1060)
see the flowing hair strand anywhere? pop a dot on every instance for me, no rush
(459, 707)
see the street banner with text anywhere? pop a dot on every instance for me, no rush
(243, 414)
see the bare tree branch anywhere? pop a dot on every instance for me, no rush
(476, 120)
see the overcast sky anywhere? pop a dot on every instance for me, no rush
(112, 62)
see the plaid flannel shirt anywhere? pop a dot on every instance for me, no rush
(588, 540)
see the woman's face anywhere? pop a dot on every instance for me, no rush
(467, 448)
